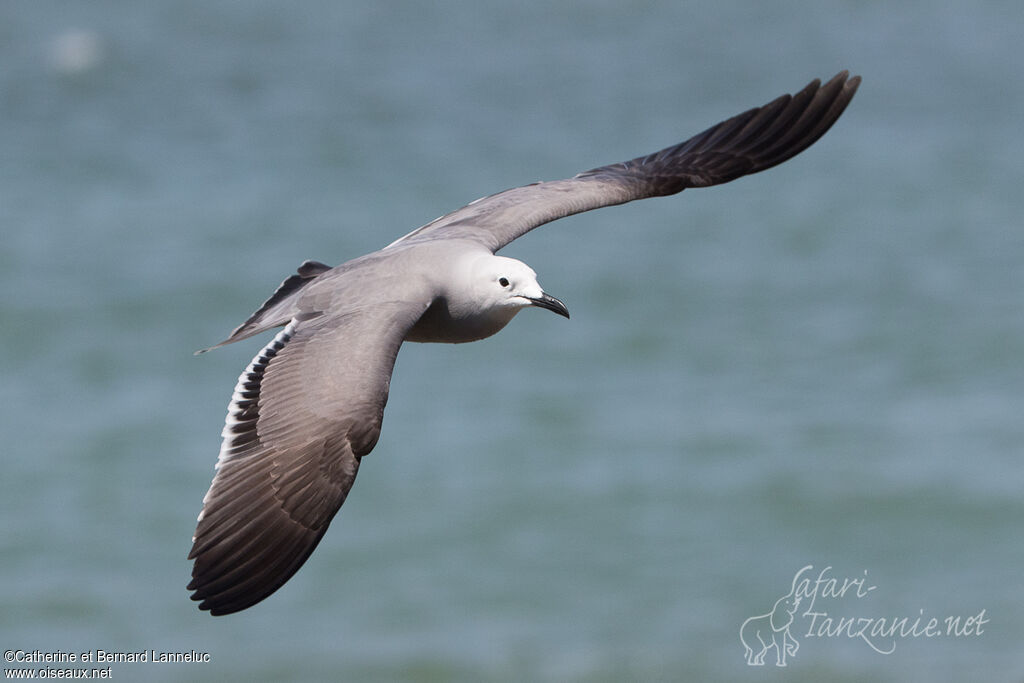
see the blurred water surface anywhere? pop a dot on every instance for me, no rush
(820, 365)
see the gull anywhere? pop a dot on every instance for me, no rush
(310, 404)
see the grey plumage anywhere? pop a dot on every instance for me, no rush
(310, 405)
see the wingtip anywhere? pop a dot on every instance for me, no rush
(850, 83)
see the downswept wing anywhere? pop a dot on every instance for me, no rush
(303, 413)
(750, 142)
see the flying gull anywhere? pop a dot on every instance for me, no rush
(310, 404)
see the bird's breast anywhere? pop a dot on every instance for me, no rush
(439, 324)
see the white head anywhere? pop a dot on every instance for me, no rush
(507, 285)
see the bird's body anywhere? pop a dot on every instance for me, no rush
(311, 403)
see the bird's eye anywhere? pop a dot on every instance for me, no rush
(503, 281)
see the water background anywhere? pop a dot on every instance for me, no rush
(820, 365)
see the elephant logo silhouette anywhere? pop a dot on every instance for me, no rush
(766, 631)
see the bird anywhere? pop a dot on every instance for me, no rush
(310, 405)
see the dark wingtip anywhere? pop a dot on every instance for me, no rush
(849, 83)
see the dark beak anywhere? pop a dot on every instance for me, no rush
(551, 303)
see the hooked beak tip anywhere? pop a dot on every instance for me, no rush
(551, 303)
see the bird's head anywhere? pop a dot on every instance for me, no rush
(505, 283)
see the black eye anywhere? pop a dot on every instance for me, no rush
(503, 281)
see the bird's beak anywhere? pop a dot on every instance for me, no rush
(549, 302)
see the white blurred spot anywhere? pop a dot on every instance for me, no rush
(75, 51)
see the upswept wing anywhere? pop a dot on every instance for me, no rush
(750, 142)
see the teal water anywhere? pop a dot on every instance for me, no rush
(819, 365)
